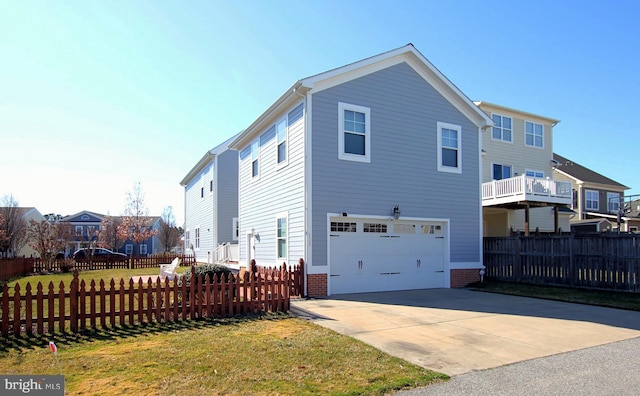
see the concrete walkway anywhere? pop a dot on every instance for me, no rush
(457, 331)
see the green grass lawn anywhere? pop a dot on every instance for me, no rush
(268, 354)
(605, 298)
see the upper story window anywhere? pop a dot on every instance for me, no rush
(501, 171)
(210, 186)
(197, 237)
(591, 200)
(354, 133)
(534, 173)
(501, 128)
(613, 202)
(255, 157)
(449, 148)
(533, 134)
(281, 133)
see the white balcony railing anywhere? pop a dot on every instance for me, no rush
(525, 188)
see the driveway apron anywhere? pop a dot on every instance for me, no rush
(456, 331)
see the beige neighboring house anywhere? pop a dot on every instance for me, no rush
(29, 214)
(519, 192)
(595, 197)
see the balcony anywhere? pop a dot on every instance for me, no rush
(522, 189)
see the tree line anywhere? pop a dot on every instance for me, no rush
(52, 235)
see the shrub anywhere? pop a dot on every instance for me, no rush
(208, 270)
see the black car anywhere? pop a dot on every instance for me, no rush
(99, 255)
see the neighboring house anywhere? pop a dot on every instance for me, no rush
(370, 173)
(519, 193)
(87, 224)
(28, 214)
(594, 196)
(211, 206)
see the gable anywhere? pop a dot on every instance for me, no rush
(84, 217)
(583, 174)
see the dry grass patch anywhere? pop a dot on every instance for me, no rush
(275, 354)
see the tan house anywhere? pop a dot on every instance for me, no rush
(519, 192)
(595, 197)
(29, 214)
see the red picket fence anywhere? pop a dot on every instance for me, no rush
(135, 262)
(16, 267)
(78, 305)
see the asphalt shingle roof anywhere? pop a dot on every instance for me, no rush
(583, 173)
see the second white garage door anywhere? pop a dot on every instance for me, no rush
(368, 255)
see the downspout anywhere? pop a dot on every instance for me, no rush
(306, 192)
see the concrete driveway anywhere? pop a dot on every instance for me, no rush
(456, 331)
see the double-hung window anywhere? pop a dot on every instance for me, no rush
(354, 133)
(501, 128)
(613, 202)
(281, 134)
(591, 200)
(449, 147)
(281, 235)
(255, 157)
(197, 231)
(533, 134)
(501, 171)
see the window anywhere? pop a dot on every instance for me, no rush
(187, 240)
(432, 229)
(236, 229)
(501, 171)
(143, 248)
(281, 133)
(255, 156)
(449, 148)
(201, 192)
(400, 228)
(128, 248)
(343, 226)
(501, 128)
(375, 227)
(78, 230)
(210, 186)
(591, 198)
(613, 202)
(197, 237)
(354, 135)
(533, 135)
(281, 235)
(534, 173)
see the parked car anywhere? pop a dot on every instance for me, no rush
(99, 255)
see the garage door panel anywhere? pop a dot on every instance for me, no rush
(372, 261)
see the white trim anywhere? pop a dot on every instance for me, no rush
(285, 216)
(534, 171)
(502, 165)
(586, 200)
(285, 162)
(502, 128)
(453, 127)
(308, 186)
(235, 232)
(342, 107)
(257, 143)
(534, 136)
(610, 195)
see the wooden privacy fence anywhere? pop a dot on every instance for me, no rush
(598, 261)
(77, 306)
(133, 263)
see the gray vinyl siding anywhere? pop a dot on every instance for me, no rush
(226, 192)
(199, 212)
(279, 189)
(403, 169)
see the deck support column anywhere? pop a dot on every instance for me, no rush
(526, 220)
(556, 228)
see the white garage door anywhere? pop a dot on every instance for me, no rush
(383, 255)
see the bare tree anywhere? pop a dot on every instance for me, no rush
(108, 234)
(168, 235)
(13, 225)
(48, 238)
(135, 222)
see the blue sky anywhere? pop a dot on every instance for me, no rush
(96, 96)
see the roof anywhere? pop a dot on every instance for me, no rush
(205, 160)
(582, 173)
(318, 82)
(481, 103)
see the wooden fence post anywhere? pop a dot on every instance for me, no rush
(4, 324)
(73, 303)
